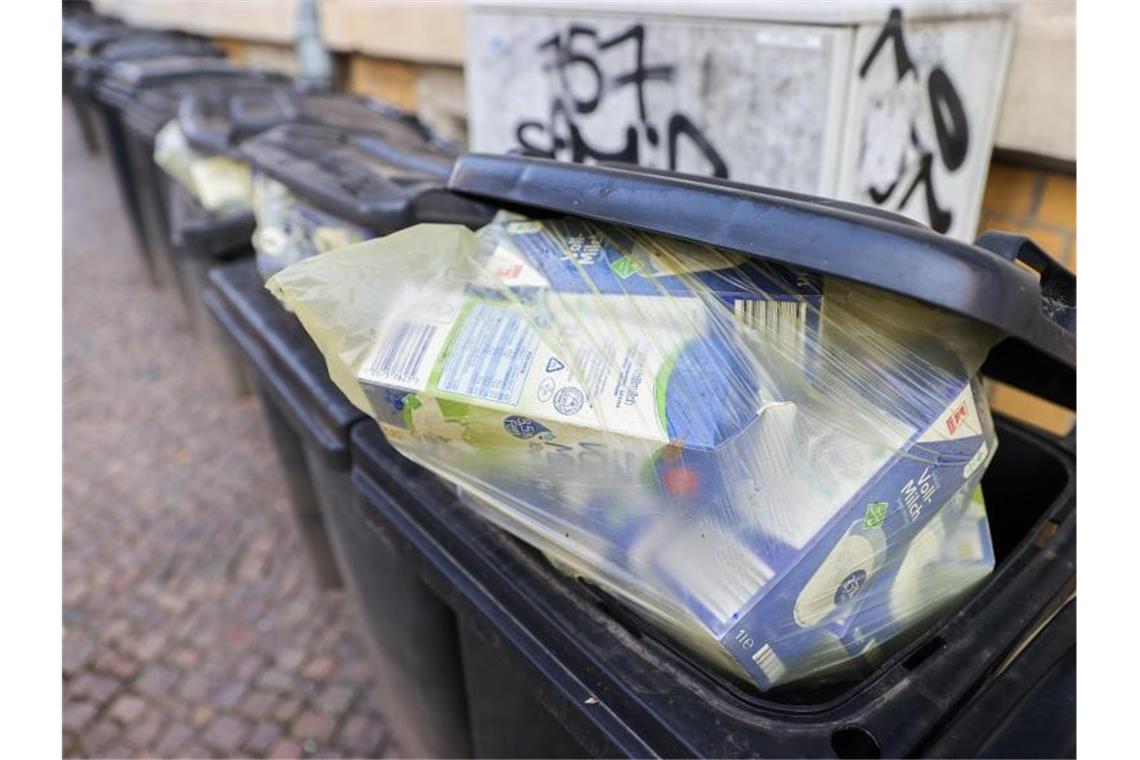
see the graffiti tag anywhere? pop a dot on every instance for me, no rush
(895, 145)
(579, 59)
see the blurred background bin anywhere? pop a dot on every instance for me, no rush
(352, 185)
(136, 100)
(112, 136)
(556, 667)
(413, 635)
(215, 120)
(378, 180)
(84, 32)
(148, 95)
(202, 240)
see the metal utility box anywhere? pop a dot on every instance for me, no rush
(890, 105)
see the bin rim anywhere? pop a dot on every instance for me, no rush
(319, 407)
(160, 71)
(1003, 281)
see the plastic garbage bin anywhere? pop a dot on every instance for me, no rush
(314, 183)
(82, 34)
(93, 48)
(141, 97)
(202, 240)
(1028, 709)
(557, 667)
(89, 74)
(412, 633)
(215, 121)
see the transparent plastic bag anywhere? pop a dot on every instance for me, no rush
(289, 230)
(780, 470)
(217, 183)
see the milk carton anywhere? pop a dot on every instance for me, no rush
(944, 560)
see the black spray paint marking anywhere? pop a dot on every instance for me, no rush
(947, 113)
(561, 136)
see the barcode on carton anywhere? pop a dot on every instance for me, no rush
(785, 321)
(401, 358)
(768, 661)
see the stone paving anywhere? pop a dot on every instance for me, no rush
(192, 626)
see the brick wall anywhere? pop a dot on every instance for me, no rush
(1041, 204)
(388, 80)
(434, 91)
(259, 54)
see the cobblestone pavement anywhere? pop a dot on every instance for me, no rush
(192, 627)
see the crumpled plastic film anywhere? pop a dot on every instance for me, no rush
(217, 183)
(780, 470)
(289, 230)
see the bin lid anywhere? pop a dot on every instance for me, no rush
(155, 72)
(119, 82)
(383, 181)
(87, 31)
(1002, 280)
(148, 92)
(217, 120)
(141, 45)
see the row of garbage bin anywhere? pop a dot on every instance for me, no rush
(482, 647)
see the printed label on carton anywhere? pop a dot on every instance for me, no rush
(602, 378)
(829, 581)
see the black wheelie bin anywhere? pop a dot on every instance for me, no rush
(557, 667)
(136, 99)
(317, 187)
(309, 421)
(145, 96)
(214, 122)
(358, 180)
(91, 66)
(84, 33)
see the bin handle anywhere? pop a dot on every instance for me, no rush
(1058, 284)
